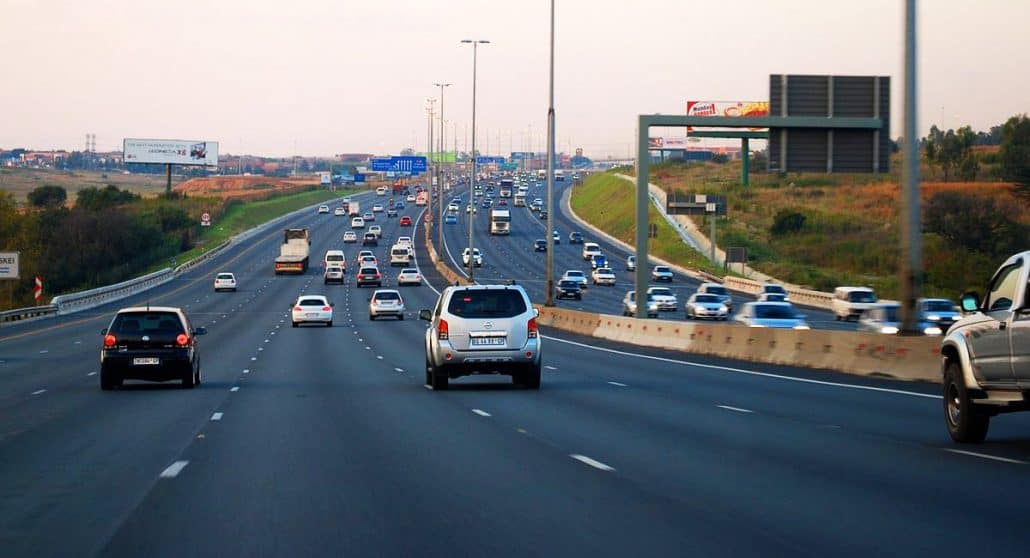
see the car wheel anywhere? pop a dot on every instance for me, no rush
(329, 323)
(400, 317)
(439, 380)
(294, 324)
(531, 377)
(967, 423)
(108, 380)
(188, 378)
(371, 317)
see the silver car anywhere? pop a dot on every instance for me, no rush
(705, 306)
(719, 291)
(886, 318)
(385, 302)
(664, 298)
(482, 329)
(629, 305)
(770, 314)
(577, 276)
(661, 273)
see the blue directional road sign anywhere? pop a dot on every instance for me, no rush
(413, 165)
(359, 178)
(489, 160)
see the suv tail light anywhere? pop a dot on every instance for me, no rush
(442, 331)
(531, 328)
(378, 275)
(110, 340)
(182, 340)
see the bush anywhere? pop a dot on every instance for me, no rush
(787, 221)
(976, 223)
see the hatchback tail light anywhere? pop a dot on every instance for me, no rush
(110, 340)
(326, 308)
(298, 309)
(531, 328)
(182, 340)
(442, 331)
(378, 275)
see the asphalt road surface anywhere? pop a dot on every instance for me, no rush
(318, 441)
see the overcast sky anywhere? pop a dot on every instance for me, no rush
(320, 77)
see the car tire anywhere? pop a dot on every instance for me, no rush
(294, 324)
(531, 377)
(439, 380)
(400, 317)
(189, 379)
(371, 317)
(329, 323)
(108, 380)
(967, 423)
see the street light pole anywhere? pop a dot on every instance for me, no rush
(472, 183)
(439, 179)
(429, 152)
(549, 301)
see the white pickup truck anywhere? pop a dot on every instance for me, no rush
(986, 354)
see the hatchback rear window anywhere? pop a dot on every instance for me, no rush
(147, 322)
(311, 302)
(368, 271)
(387, 296)
(225, 275)
(499, 303)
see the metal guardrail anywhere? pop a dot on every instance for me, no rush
(10, 317)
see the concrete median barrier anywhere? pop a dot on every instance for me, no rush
(866, 354)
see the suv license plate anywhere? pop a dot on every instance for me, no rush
(488, 341)
(146, 361)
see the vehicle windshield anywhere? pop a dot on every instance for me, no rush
(774, 312)
(574, 274)
(706, 298)
(938, 306)
(716, 290)
(604, 271)
(567, 284)
(661, 269)
(486, 303)
(662, 292)
(862, 296)
(775, 289)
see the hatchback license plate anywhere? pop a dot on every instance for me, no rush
(146, 361)
(488, 341)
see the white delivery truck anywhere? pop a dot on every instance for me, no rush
(500, 221)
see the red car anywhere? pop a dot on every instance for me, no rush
(405, 221)
(502, 202)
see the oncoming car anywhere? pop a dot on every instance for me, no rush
(482, 329)
(153, 343)
(705, 306)
(312, 309)
(323, 209)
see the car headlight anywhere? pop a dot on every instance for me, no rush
(802, 327)
(932, 330)
(933, 317)
(755, 325)
(723, 308)
(890, 330)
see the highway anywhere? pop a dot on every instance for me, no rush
(317, 441)
(512, 257)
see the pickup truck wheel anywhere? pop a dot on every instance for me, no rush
(967, 423)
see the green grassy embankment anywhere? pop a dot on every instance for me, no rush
(241, 216)
(608, 202)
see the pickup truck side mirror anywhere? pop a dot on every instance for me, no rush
(425, 314)
(970, 301)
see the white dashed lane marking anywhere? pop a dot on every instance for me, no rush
(592, 462)
(734, 409)
(174, 469)
(618, 384)
(39, 392)
(234, 388)
(986, 456)
(481, 412)
(216, 416)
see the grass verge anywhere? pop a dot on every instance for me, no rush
(609, 203)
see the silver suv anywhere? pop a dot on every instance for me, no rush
(482, 329)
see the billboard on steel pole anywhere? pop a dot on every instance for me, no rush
(171, 152)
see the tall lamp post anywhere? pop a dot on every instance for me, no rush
(430, 103)
(549, 301)
(472, 183)
(439, 178)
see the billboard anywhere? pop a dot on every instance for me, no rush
(727, 108)
(667, 143)
(173, 152)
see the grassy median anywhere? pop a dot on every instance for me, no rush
(608, 202)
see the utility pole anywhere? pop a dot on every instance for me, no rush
(911, 269)
(550, 176)
(439, 178)
(472, 183)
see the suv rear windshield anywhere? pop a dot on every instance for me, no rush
(483, 303)
(861, 296)
(147, 322)
(387, 295)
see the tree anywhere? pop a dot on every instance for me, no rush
(96, 199)
(950, 149)
(978, 223)
(48, 197)
(407, 151)
(720, 158)
(1015, 151)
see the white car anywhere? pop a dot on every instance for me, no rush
(334, 258)
(590, 249)
(476, 255)
(225, 281)
(385, 302)
(453, 207)
(411, 197)
(575, 275)
(377, 208)
(404, 241)
(357, 223)
(333, 274)
(471, 209)
(705, 306)
(368, 261)
(409, 276)
(664, 298)
(323, 209)
(312, 309)
(340, 212)
(603, 276)
(661, 273)
(350, 236)
(376, 230)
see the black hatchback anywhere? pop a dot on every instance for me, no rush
(539, 245)
(154, 343)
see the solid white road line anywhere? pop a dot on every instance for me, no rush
(39, 392)
(618, 384)
(481, 412)
(985, 456)
(234, 388)
(174, 469)
(742, 371)
(592, 462)
(216, 416)
(736, 409)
